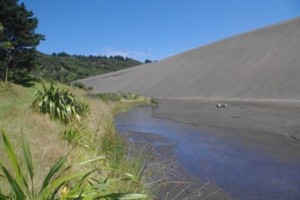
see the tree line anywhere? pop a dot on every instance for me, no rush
(115, 57)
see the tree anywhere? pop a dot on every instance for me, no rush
(18, 39)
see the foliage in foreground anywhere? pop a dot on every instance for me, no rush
(60, 104)
(60, 182)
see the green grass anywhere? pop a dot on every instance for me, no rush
(9, 97)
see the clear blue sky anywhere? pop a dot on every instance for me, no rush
(153, 29)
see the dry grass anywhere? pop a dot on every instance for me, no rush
(45, 135)
(42, 134)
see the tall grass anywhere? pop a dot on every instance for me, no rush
(123, 156)
(5, 88)
(59, 183)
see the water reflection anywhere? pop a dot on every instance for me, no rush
(243, 172)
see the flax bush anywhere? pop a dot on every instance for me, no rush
(60, 104)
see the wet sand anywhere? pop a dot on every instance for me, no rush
(256, 121)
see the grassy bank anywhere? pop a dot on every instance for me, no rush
(122, 171)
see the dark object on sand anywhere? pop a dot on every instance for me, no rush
(221, 105)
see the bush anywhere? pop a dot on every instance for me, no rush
(60, 104)
(117, 96)
(154, 101)
(79, 85)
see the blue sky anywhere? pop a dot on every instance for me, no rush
(153, 29)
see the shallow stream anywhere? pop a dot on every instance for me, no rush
(245, 172)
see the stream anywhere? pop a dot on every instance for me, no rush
(244, 172)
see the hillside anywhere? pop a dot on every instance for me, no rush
(259, 65)
(66, 68)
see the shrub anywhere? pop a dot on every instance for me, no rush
(79, 85)
(109, 96)
(154, 101)
(117, 96)
(60, 104)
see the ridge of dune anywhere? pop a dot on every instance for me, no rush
(263, 64)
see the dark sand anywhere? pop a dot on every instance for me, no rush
(270, 122)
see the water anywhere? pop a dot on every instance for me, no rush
(245, 172)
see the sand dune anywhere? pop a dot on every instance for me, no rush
(256, 74)
(259, 65)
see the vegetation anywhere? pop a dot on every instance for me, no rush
(18, 39)
(22, 189)
(60, 104)
(79, 85)
(83, 129)
(120, 173)
(56, 184)
(154, 101)
(66, 68)
(120, 96)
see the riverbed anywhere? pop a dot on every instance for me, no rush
(245, 166)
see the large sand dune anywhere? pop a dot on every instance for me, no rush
(259, 65)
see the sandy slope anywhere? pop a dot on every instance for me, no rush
(260, 65)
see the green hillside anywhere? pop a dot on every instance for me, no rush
(66, 68)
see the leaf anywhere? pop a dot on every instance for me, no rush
(7, 45)
(54, 169)
(80, 182)
(91, 160)
(13, 159)
(14, 184)
(59, 182)
(28, 158)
